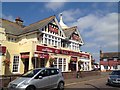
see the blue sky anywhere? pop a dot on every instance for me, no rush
(96, 21)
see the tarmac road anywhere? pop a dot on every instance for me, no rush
(93, 84)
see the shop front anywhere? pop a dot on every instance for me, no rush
(63, 59)
(40, 59)
(85, 62)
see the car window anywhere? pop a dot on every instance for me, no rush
(115, 73)
(53, 71)
(31, 73)
(43, 73)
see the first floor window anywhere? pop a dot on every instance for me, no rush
(15, 63)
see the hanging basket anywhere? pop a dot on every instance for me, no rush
(6, 62)
(51, 60)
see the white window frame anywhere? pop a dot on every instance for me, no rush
(18, 64)
(57, 64)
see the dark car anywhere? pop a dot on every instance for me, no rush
(114, 78)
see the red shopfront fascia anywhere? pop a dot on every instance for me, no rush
(2, 49)
(42, 55)
(84, 55)
(59, 51)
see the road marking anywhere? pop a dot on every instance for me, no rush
(82, 81)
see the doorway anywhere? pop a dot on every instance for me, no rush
(26, 64)
(42, 62)
(72, 66)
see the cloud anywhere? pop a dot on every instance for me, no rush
(54, 5)
(71, 15)
(8, 17)
(99, 31)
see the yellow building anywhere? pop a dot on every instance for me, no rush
(42, 44)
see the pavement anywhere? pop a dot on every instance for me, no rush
(80, 79)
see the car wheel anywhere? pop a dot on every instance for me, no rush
(30, 88)
(60, 86)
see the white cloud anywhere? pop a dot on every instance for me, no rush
(54, 5)
(8, 17)
(70, 15)
(99, 31)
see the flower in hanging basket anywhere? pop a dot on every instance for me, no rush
(6, 62)
(51, 60)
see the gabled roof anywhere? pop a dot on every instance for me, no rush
(68, 31)
(15, 29)
(38, 25)
(110, 54)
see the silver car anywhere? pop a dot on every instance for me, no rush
(37, 79)
(114, 78)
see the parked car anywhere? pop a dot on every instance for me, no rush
(114, 78)
(37, 79)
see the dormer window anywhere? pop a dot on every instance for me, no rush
(11, 39)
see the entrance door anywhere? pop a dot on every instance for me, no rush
(26, 65)
(42, 62)
(72, 66)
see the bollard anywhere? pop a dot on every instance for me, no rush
(77, 76)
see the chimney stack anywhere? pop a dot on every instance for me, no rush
(19, 21)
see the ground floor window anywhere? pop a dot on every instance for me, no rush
(105, 67)
(60, 63)
(115, 67)
(15, 63)
(39, 62)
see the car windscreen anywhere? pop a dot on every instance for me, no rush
(31, 73)
(115, 73)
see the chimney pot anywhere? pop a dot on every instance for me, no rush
(19, 21)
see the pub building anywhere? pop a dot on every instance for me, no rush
(46, 43)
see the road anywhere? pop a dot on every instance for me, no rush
(94, 84)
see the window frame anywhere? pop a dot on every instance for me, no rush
(17, 64)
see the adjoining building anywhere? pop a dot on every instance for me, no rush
(109, 60)
(42, 44)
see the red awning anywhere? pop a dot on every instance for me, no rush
(105, 63)
(113, 63)
(24, 56)
(2, 49)
(74, 59)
